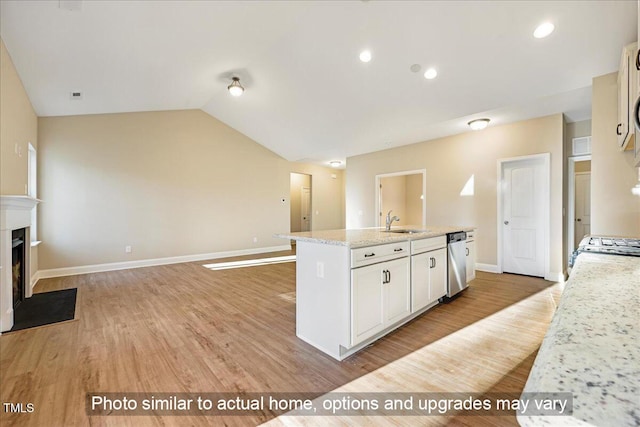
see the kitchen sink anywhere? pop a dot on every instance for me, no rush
(406, 231)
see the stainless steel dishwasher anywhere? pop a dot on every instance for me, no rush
(457, 263)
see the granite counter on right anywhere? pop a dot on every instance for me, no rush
(592, 347)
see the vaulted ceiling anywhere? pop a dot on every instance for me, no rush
(308, 96)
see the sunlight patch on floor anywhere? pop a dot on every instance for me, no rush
(250, 262)
(470, 360)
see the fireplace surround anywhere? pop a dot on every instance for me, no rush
(15, 214)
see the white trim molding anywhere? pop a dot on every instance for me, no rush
(555, 277)
(571, 200)
(378, 206)
(488, 268)
(97, 268)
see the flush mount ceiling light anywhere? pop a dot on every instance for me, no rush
(365, 56)
(335, 163)
(478, 124)
(543, 30)
(431, 73)
(235, 88)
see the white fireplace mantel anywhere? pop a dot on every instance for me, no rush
(15, 213)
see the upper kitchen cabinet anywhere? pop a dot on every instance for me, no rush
(627, 76)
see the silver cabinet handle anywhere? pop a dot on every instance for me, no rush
(467, 251)
(506, 223)
(386, 276)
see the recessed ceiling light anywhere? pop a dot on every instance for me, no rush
(365, 56)
(335, 163)
(543, 30)
(478, 124)
(415, 68)
(431, 73)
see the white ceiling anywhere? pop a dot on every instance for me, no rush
(308, 97)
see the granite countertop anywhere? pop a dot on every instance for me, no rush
(592, 346)
(369, 236)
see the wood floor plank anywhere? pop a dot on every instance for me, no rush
(186, 328)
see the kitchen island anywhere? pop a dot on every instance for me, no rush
(592, 347)
(355, 286)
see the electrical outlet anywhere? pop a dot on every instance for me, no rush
(127, 249)
(255, 240)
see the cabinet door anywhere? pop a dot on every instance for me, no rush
(471, 261)
(438, 275)
(397, 291)
(420, 270)
(366, 302)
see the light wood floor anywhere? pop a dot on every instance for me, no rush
(185, 328)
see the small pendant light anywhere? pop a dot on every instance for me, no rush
(235, 88)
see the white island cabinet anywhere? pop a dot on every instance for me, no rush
(428, 271)
(355, 286)
(380, 290)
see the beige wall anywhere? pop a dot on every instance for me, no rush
(394, 198)
(402, 195)
(584, 166)
(18, 128)
(449, 163)
(414, 202)
(167, 183)
(614, 210)
(327, 195)
(298, 182)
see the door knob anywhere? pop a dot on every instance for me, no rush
(506, 223)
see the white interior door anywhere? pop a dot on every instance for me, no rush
(524, 188)
(305, 210)
(583, 206)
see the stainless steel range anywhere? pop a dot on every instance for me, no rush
(607, 245)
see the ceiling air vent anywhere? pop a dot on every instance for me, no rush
(76, 95)
(581, 146)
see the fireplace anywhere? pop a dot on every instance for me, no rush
(15, 255)
(18, 258)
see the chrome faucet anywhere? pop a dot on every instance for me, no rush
(390, 220)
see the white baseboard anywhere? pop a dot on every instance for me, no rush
(555, 277)
(96, 268)
(34, 279)
(489, 268)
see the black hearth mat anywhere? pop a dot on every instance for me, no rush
(45, 308)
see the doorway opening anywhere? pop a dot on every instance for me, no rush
(524, 219)
(301, 207)
(404, 194)
(578, 201)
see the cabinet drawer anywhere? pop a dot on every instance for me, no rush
(471, 235)
(373, 254)
(424, 245)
